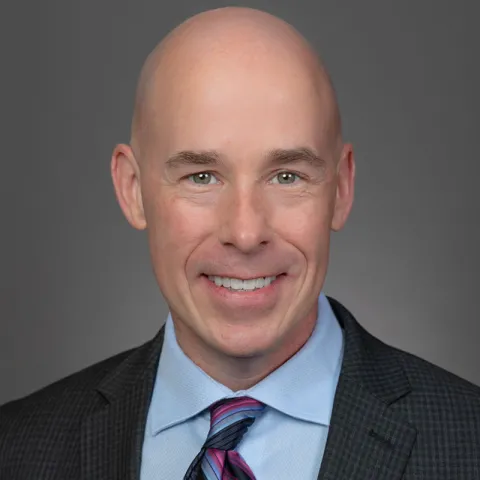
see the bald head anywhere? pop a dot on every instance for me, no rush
(235, 49)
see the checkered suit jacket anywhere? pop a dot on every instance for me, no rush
(395, 417)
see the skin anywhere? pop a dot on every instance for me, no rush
(244, 89)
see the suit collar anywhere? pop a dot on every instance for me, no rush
(140, 364)
(112, 436)
(369, 361)
(367, 437)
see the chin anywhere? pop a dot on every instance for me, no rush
(245, 346)
(242, 353)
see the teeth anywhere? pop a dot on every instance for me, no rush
(237, 284)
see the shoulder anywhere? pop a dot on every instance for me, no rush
(442, 406)
(374, 357)
(68, 390)
(430, 395)
(435, 389)
(52, 413)
(445, 411)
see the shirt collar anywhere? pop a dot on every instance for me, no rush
(303, 387)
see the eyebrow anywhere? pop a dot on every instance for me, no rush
(277, 157)
(280, 157)
(189, 158)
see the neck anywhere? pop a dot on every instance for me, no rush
(241, 373)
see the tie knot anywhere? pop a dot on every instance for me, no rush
(230, 419)
(229, 410)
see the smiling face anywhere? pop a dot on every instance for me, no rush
(241, 178)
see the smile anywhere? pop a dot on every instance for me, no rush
(237, 284)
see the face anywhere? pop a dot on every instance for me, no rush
(240, 186)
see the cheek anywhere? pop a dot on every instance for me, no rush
(175, 229)
(306, 226)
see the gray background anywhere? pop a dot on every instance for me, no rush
(76, 283)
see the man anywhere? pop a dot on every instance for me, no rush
(238, 171)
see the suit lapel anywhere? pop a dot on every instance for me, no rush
(367, 438)
(365, 441)
(112, 436)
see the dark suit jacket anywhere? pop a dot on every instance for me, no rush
(395, 416)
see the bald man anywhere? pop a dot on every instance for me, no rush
(237, 170)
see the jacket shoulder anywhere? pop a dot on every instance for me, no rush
(51, 414)
(66, 389)
(433, 381)
(372, 358)
(441, 405)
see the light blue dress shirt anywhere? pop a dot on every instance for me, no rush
(287, 442)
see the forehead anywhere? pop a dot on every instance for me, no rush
(237, 107)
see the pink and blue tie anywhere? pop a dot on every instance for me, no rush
(218, 459)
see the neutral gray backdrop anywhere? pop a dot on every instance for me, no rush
(76, 283)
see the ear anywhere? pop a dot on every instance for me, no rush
(126, 180)
(345, 187)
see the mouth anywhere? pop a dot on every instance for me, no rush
(234, 284)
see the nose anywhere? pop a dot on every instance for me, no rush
(244, 220)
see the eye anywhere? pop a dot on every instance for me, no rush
(285, 178)
(203, 178)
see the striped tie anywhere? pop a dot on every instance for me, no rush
(218, 460)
